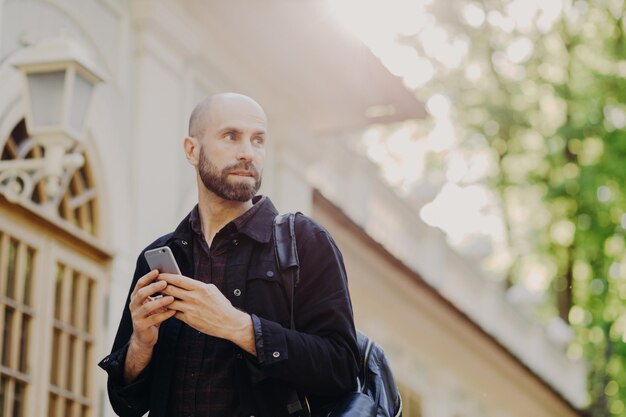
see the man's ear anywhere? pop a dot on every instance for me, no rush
(192, 150)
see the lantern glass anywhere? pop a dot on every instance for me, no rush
(79, 100)
(46, 98)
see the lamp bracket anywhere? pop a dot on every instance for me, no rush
(17, 176)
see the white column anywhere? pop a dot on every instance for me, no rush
(157, 138)
(285, 179)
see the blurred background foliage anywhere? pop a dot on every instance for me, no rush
(522, 161)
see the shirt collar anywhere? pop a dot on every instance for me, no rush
(256, 222)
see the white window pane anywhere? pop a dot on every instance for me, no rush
(46, 97)
(80, 101)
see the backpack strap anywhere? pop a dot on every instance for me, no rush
(289, 266)
(287, 254)
(362, 379)
(285, 242)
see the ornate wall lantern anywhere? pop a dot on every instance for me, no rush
(59, 80)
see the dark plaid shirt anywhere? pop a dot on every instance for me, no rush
(204, 373)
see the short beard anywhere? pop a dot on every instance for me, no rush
(217, 182)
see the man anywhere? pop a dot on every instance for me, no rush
(218, 341)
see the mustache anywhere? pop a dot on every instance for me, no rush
(242, 166)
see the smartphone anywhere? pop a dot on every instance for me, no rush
(162, 259)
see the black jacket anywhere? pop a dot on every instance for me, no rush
(320, 360)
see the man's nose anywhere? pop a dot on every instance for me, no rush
(245, 151)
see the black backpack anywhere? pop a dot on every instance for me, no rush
(377, 394)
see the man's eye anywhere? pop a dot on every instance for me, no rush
(258, 140)
(229, 136)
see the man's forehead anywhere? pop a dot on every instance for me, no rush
(238, 112)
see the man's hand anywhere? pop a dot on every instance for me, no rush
(147, 314)
(203, 307)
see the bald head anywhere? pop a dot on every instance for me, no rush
(205, 111)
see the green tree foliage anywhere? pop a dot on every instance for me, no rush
(542, 85)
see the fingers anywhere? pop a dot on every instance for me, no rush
(158, 318)
(200, 291)
(180, 281)
(180, 316)
(148, 318)
(145, 280)
(175, 292)
(151, 289)
(153, 307)
(142, 295)
(178, 306)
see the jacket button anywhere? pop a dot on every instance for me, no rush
(184, 242)
(237, 292)
(276, 354)
(235, 242)
(270, 273)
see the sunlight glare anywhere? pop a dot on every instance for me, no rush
(462, 211)
(536, 274)
(523, 12)
(438, 45)
(481, 164)
(616, 116)
(375, 19)
(381, 24)
(474, 15)
(438, 106)
(473, 72)
(421, 73)
(457, 167)
(520, 50)
(496, 19)
(550, 13)
(443, 136)
(400, 59)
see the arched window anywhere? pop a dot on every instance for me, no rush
(52, 290)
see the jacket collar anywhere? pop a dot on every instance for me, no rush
(259, 225)
(183, 231)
